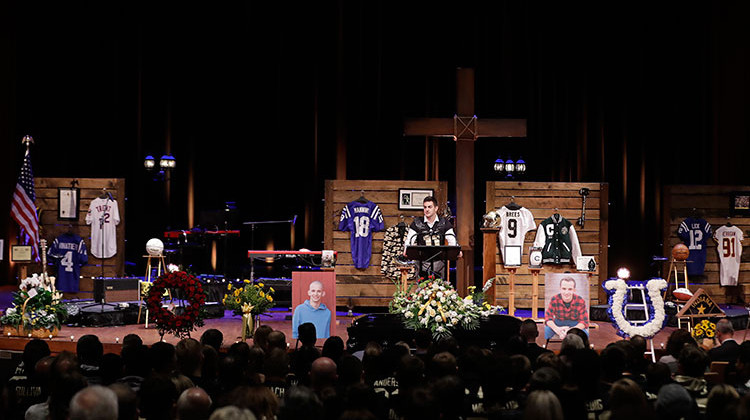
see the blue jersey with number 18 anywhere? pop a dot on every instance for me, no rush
(361, 219)
(70, 252)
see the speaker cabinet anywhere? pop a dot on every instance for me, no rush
(115, 290)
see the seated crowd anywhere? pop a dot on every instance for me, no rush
(419, 380)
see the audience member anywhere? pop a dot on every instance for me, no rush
(627, 402)
(232, 413)
(94, 402)
(90, 351)
(193, 404)
(189, 354)
(722, 402)
(260, 400)
(333, 348)
(127, 401)
(678, 339)
(260, 337)
(543, 405)
(728, 349)
(212, 337)
(26, 388)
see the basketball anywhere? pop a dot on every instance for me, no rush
(680, 252)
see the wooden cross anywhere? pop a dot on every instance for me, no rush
(464, 128)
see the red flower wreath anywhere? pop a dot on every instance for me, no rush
(194, 296)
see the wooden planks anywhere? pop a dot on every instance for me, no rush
(90, 188)
(367, 287)
(712, 202)
(541, 198)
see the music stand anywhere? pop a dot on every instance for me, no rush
(430, 254)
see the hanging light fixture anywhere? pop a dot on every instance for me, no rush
(167, 162)
(499, 165)
(149, 163)
(510, 168)
(520, 166)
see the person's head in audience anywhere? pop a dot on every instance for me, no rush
(277, 340)
(276, 365)
(692, 362)
(657, 375)
(639, 344)
(158, 396)
(189, 353)
(64, 385)
(260, 337)
(448, 344)
(300, 402)
(724, 330)
(210, 368)
(89, 350)
(515, 344)
(549, 359)
(529, 330)
(372, 361)
(722, 402)
(442, 364)
(543, 405)
(65, 363)
(212, 337)
(127, 402)
(674, 402)
(410, 373)
(323, 373)
(255, 357)
(43, 372)
(333, 348)
(678, 339)
(94, 402)
(570, 344)
(520, 371)
(614, 362)
(241, 351)
(33, 351)
(307, 334)
(135, 360)
(111, 368)
(742, 365)
(231, 372)
(422, 340)
(162, 358)
(258, 399)
(581, 333)
(419, 403)
(545, 378)
(449, 394)
(181, 382)
(627, 401)
(349, 370)
(132, 340)
(231, 412)
(193, 404)
(586, 370)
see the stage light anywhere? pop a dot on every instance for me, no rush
(149, 163)
(499, 165)
(623, 273)
(167, 162)
(520, 166)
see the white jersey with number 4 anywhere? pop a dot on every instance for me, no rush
(514, 223)
(729, 246)
(103, 216)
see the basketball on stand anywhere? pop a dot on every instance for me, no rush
(680, 252)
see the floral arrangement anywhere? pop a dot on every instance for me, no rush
(617, 290)
(35, 307)
(248, 300)
(435, 304)
(704, 329)
(192, 295)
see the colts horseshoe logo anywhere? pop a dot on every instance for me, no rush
(617, 290)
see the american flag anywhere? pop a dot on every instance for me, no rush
(23, 209)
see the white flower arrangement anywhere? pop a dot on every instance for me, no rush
(43, 307)
(435, 304)
(617, 290)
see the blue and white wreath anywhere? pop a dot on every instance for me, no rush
(617, 290)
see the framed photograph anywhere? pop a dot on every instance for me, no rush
(512, 256)
(20, 253)
(411, 199)
(563, 291)
(535, 257)
(740, 203)
(68, 202)
(586, 264)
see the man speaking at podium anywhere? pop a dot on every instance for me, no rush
(431, 231)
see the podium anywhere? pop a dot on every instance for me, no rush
(427, 254)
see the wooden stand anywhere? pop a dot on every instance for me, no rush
(161, 265)
(489, 246)
(511, 292)
(534, 292)
(404, 277)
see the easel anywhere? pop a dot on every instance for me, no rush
(673, 268)
(511, 290)
(161, 265)
(534, 292)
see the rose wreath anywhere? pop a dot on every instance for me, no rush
(192, 295)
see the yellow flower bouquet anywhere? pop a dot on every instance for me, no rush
(249, 300)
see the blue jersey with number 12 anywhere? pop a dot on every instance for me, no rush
(695, 233)
(361, 219)
(70, 252)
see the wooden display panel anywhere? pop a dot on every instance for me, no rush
(713, 201)
(51, 227)
(541, 198)
(368, 287)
